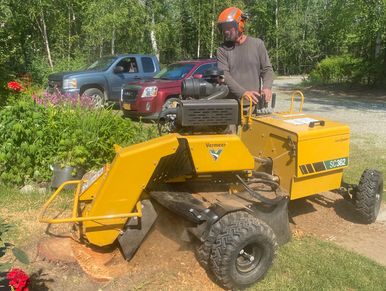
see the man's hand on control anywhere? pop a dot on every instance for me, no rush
(268, 94)
(253, 95)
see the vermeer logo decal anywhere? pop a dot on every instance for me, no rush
(215, 153)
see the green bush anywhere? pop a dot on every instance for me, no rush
(35, 136)
(336, 70)
(40, 69)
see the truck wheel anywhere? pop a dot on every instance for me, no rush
(97, 96)
(368, 196)
(169, 126)
(170, 103)
(243, 250)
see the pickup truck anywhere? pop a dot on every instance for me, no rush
(147, 98)
(103, 79)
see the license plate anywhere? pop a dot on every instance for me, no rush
(126, 106)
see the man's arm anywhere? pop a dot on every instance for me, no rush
(222, 63)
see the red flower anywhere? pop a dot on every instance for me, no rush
(15, 86)
(18, 279)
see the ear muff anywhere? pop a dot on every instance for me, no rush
(241, 25)
(244, 17)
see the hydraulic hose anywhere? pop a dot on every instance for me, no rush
(258, 196)
(166, 112)
(274, 185)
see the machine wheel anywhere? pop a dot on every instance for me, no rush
(97, 96)
(243, 250)
(204, 249)
(368, 197)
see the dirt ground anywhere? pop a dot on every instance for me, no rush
(166, 261)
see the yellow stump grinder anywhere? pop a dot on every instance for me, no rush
(230, 170)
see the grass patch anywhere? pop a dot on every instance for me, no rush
(365, 152)
(13, 199)
(20, 210)
(310, 264)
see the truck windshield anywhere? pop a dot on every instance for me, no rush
(101, 64)
(174, 72)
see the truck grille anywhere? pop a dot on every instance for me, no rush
(54, 85)
(129, 94)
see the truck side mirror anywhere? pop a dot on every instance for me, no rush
(118, 69)
(197, 76)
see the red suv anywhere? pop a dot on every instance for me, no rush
(147, 98)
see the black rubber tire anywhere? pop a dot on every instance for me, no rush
(125, 113)
(241, 232)
(204, 249)
(169, 103)
(368, 197)
(167, 127)
(97, 96)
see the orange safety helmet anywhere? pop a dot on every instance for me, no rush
(231, 22)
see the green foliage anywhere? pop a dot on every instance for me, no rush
(19, 254)
(298, 34)
(33, 137)
(339, 69)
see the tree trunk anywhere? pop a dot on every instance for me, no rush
(153, 37)
(378, 40)
(69, 35)
(212, 32)
(113, 42)
(277, 34)
(199, 29)
(43, 30)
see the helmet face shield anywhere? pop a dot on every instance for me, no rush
(229, 30)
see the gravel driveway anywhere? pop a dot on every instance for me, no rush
(364, 112)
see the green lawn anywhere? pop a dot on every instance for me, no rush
(366, 151)
(310, 264)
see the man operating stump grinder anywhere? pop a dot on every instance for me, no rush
(243, 59)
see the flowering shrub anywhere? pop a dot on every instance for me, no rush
(15, 86)
(59, 99)
(35, 135)
(18, 280)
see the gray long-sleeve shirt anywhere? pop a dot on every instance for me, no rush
(243, 66)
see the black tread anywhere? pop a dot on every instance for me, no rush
(370, 183)
(237, 228)
(203, 250)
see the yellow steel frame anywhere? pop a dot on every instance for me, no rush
(75, 217)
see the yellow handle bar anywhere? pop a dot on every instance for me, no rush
(249, 116)
(76, 218)
(293, 100)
